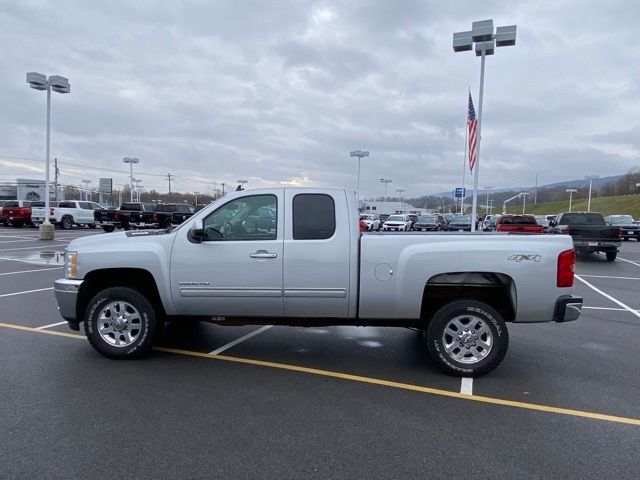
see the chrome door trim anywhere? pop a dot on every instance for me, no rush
(316, 292)
(230, 292)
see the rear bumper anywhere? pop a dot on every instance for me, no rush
(66, 292)
(568, 309)
(596, 245)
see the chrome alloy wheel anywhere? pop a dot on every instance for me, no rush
(467, 339)
(119, 324)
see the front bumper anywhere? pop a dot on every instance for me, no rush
(568, 309)
(66, 292)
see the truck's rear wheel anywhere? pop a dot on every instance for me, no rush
(611, 255)
(467, 338)
(121, 323)
(108, 228)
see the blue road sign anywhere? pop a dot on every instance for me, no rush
(460, 192)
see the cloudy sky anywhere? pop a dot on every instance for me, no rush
(278, 92)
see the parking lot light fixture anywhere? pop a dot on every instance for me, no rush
(487, 203)
(400, 192)
(59, 84)
(360, 154)
(242, 182)
(524, 200)
(86, 189)
(485, 40)
(385, 181)
(590, 178)
(535, 196)
(131, 161)
(571, 191)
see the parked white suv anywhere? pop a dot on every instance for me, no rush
(72, 212)
(397, 222)
(372, 221)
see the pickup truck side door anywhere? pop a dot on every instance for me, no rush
(237, 268)
(318, 257)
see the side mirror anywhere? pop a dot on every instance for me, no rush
(552, 223)
(196, 232)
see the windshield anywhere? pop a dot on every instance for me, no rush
(462, 219)
(366, 217)
(621, 220)
(396, 218)
(427, 218)
(582, 219)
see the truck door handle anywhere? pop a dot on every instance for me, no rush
(263, 254)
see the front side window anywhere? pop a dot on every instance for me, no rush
(314, 216)
(85, 205)
(247, 218)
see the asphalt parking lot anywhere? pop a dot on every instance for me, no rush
(334, 402)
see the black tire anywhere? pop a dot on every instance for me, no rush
(91, 225)
(17, 224)
(166, 224)
(146, 330)
(108, 228)
(611, 255)
(66, 223)
(483, 314)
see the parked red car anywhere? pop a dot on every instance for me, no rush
(16, 213)
(519, 224)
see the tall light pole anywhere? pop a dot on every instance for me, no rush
(360, 154)
(58, 84)
(242, 182)
(571, 191)
(590, 178)
(524, 200)
(535, 196)
(137, 181)
(131, 161)
(196, 193)
(86, 189)
(482, 34)
(400, 192)
(385, 181)
(222, 188)
(487, 204)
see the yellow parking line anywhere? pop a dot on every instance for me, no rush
(369, 380)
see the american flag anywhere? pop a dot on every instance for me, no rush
(472, 123)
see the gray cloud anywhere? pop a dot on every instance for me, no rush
(281, 91)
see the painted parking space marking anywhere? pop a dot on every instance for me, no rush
(368, 380)
(466, 385)
(607, 276)
(606, 295)
(629, 261)
(25, 292)
(51, 325)
(22, 240)
(240, 340)
(608, 308)
(29, 271)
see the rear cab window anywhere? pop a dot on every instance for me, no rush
(314, 216)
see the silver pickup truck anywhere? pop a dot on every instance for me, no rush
(295, 256)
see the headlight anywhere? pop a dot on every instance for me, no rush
(71, 265)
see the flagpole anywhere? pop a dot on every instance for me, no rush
(464, 161)
(474, 212)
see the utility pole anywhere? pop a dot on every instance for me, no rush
(222, 188)
(169, 177)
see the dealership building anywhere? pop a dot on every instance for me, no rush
(27, 189)
(389, 208)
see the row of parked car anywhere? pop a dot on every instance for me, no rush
(67, 213)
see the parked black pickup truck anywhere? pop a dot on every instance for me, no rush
(166, 214)
(129, 215)
(590, 233)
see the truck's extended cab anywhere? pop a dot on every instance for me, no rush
(295, 256)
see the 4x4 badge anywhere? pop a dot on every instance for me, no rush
(519, 257)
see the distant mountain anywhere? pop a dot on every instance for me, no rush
(597, 182)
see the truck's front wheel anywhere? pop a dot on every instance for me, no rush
(121, 323)
(467, 338)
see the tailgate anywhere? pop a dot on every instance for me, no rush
(594, 233)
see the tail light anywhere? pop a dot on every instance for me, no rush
(619, 234)
(155, 217)
(51, 211)
(566, 263)
(567, 231)
(117, 215)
